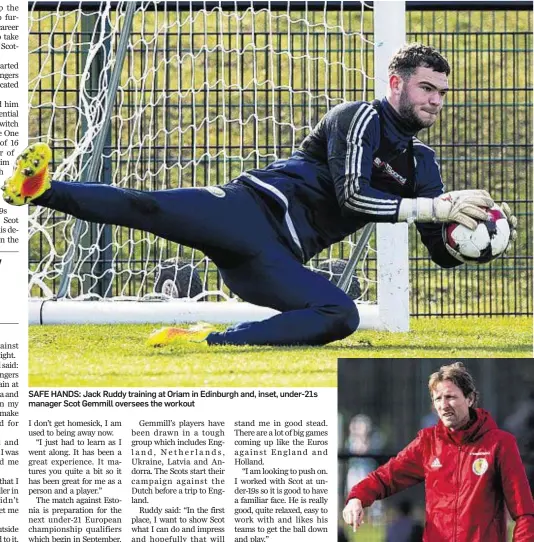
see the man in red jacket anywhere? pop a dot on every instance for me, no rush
(470, 467)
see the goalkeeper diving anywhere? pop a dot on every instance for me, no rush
(362, 163)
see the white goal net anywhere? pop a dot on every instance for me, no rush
(163, 95)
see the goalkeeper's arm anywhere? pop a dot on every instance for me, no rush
(462, 206)
(351, 161)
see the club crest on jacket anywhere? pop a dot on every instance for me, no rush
(480, 466)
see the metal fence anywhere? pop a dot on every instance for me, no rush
(483, 139)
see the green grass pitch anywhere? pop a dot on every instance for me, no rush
(115, 355)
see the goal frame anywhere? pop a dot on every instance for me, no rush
(391, 312)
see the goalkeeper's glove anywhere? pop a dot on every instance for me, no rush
(464, 207)
(512, 222)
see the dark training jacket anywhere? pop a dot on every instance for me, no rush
(353, 168)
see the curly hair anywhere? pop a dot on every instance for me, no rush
(459, 376)
(414, 55)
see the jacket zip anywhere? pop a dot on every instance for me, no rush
(457, 495)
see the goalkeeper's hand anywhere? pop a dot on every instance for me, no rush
(353, 513)
(464, 207)
(512, 222)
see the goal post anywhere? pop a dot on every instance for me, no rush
(392, 239)
(180, 94)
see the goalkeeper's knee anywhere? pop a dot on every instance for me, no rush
(343, 319)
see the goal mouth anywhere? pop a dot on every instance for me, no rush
(155, 96)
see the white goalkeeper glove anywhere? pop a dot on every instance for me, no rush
(461, 206)
(512, 222)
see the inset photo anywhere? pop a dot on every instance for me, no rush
(436, 450)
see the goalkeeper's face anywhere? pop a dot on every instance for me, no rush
(451, 405)
(421, 97)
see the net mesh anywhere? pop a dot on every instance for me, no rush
(204, 93)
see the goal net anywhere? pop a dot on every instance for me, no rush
(164, 95)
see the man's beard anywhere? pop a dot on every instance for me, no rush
(408, 115)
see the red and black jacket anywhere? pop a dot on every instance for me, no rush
(470, 477)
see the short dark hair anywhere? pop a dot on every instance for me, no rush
(458, 374)
(415, 55)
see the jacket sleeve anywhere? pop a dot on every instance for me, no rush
(401, 472)
(353, 136)
(517, 494)
(431, 186)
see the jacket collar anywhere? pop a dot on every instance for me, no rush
(398, 126)
(395, 130)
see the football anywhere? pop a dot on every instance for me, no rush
(487, 242)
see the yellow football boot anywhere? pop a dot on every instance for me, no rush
(30, 178)
(179, 335)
